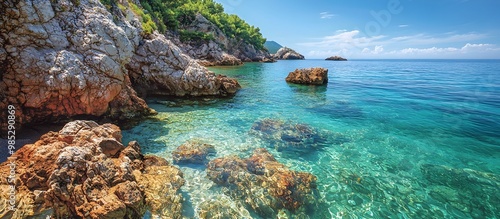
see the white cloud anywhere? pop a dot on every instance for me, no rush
(355, 44)
(326, 15)
(469, 50)
(403, 25)
(377, 50)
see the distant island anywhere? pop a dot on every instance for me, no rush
(336, 58)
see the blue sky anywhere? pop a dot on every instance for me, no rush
(377, 28)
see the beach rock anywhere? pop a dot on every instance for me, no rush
(313, 76)
(193, 152)
(264, 184)
(221, 50)
(84, 171)
(465, 189)
(287, 136)
(336, 58)
(286, 53)
(62, 59)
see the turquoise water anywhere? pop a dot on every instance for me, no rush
(406, 138)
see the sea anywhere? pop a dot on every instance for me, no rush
(403, 138)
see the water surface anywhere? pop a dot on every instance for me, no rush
(407, 138)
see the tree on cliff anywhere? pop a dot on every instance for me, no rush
(173, 14)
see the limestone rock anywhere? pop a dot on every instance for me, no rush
(286, 53)
(287, 136)
(264, 184)
(161, 68)
(336, 58)
(83, 171)
(65, 58)
(193, 152)
(314, 76)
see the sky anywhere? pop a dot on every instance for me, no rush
(378, 29)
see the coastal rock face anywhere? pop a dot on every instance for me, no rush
(336, 58)
(287, 136)
(193, 152)
(264, 184)
(60, 59)
(314, 76)
(286, 53)
(84, 171)
(222, 50)
(160, 67)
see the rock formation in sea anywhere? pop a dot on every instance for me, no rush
(314, 76)
(193, 152)
(84, 171)
(286, 53)
(336, 58)
(60, 59)
(264, 184)
(221, 50)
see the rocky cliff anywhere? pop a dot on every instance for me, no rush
(221, 50)
(65, 58)
(287, 54)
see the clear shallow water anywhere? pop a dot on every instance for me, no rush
(407, 138)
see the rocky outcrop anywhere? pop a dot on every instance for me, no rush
(160, 67)
(264, 184)
(193, 153)
(60, 59)
(84, 171)
(222, 50)
(288, 136)
(286, 53)
(313, 76)
(336, 58)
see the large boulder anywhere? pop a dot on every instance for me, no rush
(286, 53)
(264, 184)
(313, 76)
(61, 59)
(84, 171)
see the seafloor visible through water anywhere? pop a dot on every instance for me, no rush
(402, 138)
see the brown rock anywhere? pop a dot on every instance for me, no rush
(193, 152)
(83, 171)
(314, 76)
(264, 184)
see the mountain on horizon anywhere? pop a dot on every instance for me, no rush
(272, 46)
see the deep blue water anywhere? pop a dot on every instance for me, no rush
(405, 138)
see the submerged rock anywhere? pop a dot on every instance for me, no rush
(84, 171)
(336, 58)
(288, 136)
(222, 207)
(193, 152)
(314, 76)
(286, 53)
(264, 184)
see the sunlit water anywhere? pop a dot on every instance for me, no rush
(408, 138)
